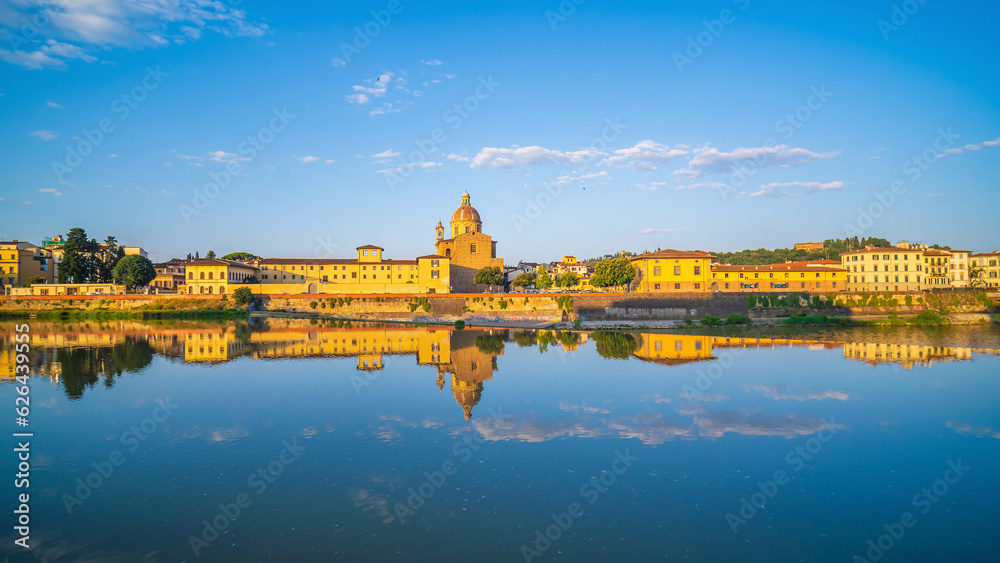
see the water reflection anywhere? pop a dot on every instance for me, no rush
(80, 356)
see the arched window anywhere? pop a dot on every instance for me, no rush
(210, 275)
(210, 289)
(203, 275)
(447, 253)
(190, 275)
(222, 289)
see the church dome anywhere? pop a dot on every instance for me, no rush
(466, 212)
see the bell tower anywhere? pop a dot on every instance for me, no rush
(439, 230)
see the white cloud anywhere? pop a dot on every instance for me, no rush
(44, 134)
(970, 147)
(223, 156)
(992, 143)
(329, 161)
(807, 187)
(432, 62)
(499, 158)
(54, 105)
(458, 157)
(166, 193)
(307, 159)
(112, 155)
(710, 159)
(654, 231)
(339, 63)
(52, 191)
(645, 155)
(950, 152)
(713, 185)
(106, 24)
(389, 153)
(575, 176)
(973, 147)
(934, 195)
(359, 99)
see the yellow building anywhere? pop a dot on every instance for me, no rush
(960, 260)
(895, 268)
(21, 261)
(989, 264)
(468, 249)
(208, 276)
(672, 271)
(937, 269)
(823, 276)
(70, 289)
(371, 272)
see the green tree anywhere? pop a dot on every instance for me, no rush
(107, 258)
(977, 275)
(567, 279)
(615, 345)
(524, 279)
(211, 254)
(134, 271)
(543, 281)
(241, 256)
(33, 280)
(250, 279)
(78, 263)
(617, 272)
(490, 275)
(242, 295)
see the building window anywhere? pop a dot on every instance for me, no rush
(727, 285)
(472, 248)
(677, 270)
(656, 270)
(354, 275)
(677, 286)
(697, 286)
(435, 274)
(697, 270)
(434, 264)
(656, 286)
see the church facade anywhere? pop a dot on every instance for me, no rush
(467, 249)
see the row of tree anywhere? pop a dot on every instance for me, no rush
(832, 249)
(610, 272)
(87, 261)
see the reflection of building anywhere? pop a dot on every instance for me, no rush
(468, 248)
(469, 367)
(673, 349)
(906, 355)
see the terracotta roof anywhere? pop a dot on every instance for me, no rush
(994, 253)
(671, 253)
(937, 252)
(466, 213)
(433, 257)
(367, 246)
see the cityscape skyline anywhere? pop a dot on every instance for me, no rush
(628, 142)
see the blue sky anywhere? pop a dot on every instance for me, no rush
(577, 128)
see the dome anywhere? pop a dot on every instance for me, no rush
(466, 213)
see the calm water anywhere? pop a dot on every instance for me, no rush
(396, 443)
